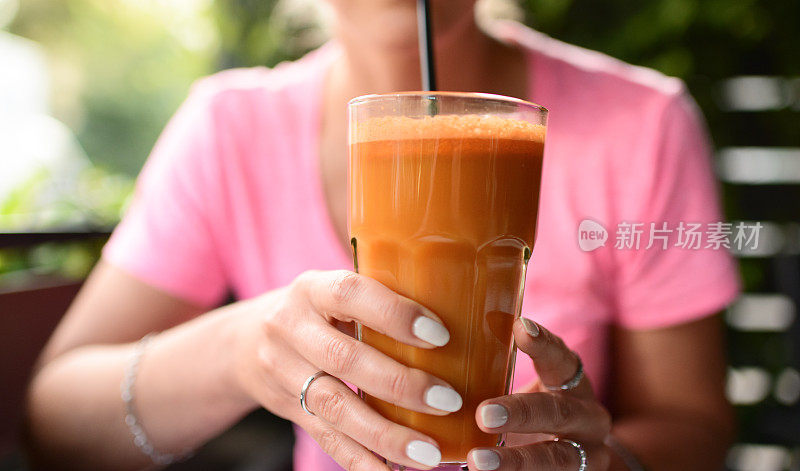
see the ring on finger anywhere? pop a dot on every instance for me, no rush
(304, 390)
(571, 383)
(577, 446)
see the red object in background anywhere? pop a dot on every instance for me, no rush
(28, 316)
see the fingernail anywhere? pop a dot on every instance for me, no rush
(423, 452)
(443, 398)
(485, 460)
(429, 330)
(494, 415)
(530, 327)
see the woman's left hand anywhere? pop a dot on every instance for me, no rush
(535, 415)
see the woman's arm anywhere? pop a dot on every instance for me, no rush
(75, 413)
(197, 378)
(668, 396)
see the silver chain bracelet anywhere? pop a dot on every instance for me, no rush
(127, 389)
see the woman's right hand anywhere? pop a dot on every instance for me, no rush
(290, 334)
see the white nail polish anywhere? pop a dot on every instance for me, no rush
(427, 329)
(423, 452)
(531, 327)
(494, 415)
(485, 460)
(443, 398)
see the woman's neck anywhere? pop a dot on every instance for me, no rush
(466, 60)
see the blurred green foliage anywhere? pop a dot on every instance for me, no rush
(119, 71)
(95, 199)
(684, 38)
(263, 32)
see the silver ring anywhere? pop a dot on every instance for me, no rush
(573, 382)
(304, 390)
(577, 446)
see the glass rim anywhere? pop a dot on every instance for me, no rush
(359, 100)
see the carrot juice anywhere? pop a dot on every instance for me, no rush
(443, 210)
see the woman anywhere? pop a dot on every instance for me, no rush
(246, 191)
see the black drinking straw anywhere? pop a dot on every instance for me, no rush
(425, 45)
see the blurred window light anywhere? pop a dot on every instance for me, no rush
(487, 11)
(754, 93)
(34, 147)
(8, 10)
(179, 7)
(759, 165)
(794, 91)
(762, 313)
(747, 385)
(771, 241)
(752, 457)
(787, 387)
(189, 21)
(24, 82)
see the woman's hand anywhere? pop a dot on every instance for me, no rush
(533, 417)
(290, 334)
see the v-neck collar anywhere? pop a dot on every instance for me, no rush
(329, 52)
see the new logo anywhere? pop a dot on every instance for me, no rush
(591, 235)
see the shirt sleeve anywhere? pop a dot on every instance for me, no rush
(166, 238)
(672, 183)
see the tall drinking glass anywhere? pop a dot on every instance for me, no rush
(443, 203)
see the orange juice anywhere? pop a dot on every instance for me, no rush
(443, 210)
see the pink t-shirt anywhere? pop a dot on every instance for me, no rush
(231, 199)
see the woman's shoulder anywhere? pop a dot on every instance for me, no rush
(293, 80)
(593, 77)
